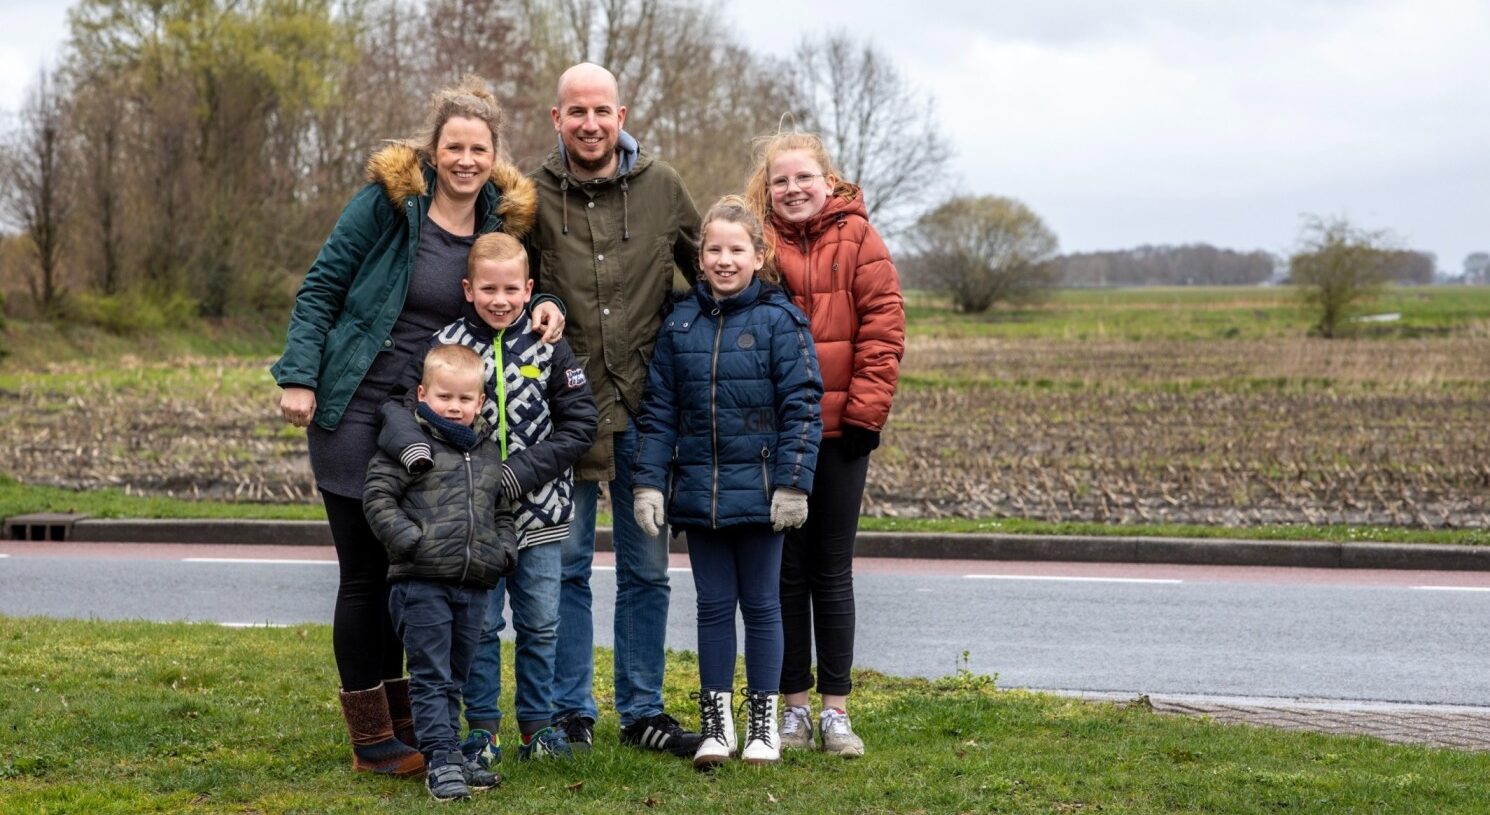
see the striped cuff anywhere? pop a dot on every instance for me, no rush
(417, 458)
(510, 487)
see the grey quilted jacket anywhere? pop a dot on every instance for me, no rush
(448, 524)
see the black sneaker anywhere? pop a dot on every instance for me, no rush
(578, 730)
(661, 732)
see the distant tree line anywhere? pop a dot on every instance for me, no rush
(1190, 265)
(189, 156)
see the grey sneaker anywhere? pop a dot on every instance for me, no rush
(446, 779)
(838, 734)
(796, 728)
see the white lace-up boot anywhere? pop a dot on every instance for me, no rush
(716, 726)
(762, 741)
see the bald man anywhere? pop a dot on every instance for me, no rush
(613, 225)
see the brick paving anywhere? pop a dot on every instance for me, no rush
(1465, 728)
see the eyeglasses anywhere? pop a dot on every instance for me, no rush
(802, 180)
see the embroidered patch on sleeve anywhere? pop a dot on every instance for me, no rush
(576, 377)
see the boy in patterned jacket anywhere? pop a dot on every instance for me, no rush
(543, 418)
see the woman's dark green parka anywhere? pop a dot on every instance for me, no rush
(352, 295)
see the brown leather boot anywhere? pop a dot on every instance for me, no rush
(374, 749)
(399, 710)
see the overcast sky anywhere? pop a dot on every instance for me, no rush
(1124, 122)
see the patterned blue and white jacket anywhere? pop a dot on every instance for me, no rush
(540, 412)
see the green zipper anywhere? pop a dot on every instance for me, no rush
(499, 372)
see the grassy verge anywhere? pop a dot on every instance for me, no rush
(20, 499)
(36, 345)
(141, 717)
(1336, 533)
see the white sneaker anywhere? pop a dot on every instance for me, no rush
(838, 734)
(716, 727)
(796, 728)
(762, 742)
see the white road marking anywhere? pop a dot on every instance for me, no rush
(270, 561)
(1452, 588)
(1071, 579)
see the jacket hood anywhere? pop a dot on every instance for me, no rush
(398, 169)
(834, 210)
(759, 291)
(631, 158)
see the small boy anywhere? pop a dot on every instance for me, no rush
(543, 418)
(450, 538)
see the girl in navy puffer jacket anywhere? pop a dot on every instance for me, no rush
(730, 421)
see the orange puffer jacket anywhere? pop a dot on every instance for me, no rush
(839, 273)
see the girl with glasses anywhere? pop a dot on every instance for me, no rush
(838, 271)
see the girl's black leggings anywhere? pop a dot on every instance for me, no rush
(817, 578)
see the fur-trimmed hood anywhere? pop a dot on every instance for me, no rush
(399, 171)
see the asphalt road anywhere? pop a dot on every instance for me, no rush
(1396, 636)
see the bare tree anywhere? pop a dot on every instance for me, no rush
(100, 130)
(985, 250)
(35, 195)
(879, 131)
(1477, 267)
(1337, 266)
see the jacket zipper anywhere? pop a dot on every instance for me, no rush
(499, 373)
(470, 516)
(714, 417)
(807, 277)
(766, 473)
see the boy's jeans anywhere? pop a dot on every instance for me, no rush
(534, 589)
(439, 625)
(642, 597)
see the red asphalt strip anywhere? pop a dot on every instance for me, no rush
(899, 566)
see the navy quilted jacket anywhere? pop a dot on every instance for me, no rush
(731, 407)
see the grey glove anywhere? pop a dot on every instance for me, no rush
(788, 508)
(647, 508)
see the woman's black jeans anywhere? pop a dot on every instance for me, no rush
(362, 637)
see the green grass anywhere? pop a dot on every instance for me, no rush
(217, 377)
(36, 344)
(1336, 533)
(1235, 312)
(136, 717)
(21, 499)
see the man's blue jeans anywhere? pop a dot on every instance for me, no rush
(534, 589)
(642, 597)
